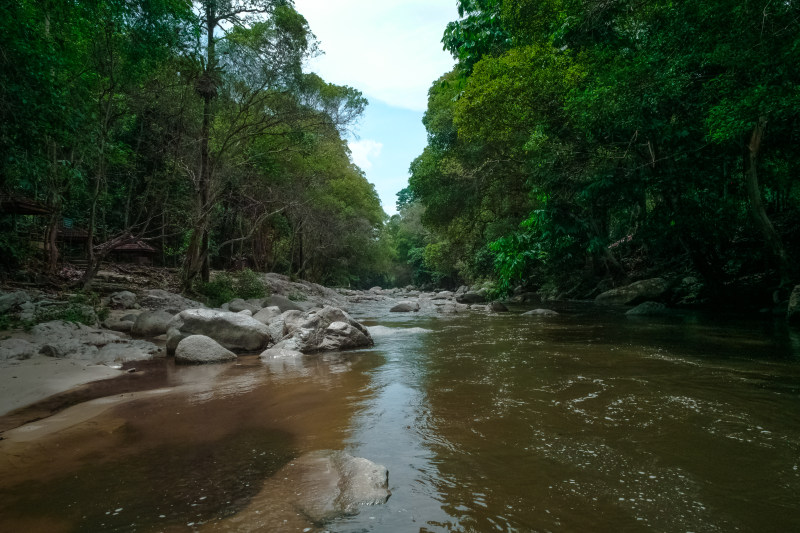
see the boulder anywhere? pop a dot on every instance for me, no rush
(328, 328)
(10, 300)
(238, 333)
(280, 352)
(471, 297)
(540, 312)
(443, 295)
(282, 303)
(793, 311)
(151, 323)
(199, 349)
(122, 300)
(268, 314)
(246, 312)
(648, 309)
(647, 289)
(123, 326)
(405, 307)
(17, 349)
(498, 307)
(329, 484)
(161, 299)
(76, 341)
(238, 305)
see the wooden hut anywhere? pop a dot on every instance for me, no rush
(138, 252)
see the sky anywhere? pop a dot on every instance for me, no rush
(391, 51)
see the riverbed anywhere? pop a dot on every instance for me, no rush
(585, 421)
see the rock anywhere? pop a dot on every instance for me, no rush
(526, 297)
(122, 300)
(332, 484)
(443, 295)
(311, 293)
(648, 289)
(233, 331)
(279, 352)
(448, 309)
(648, 309)
(375, 289)
(405, 307)
(540, 312)
(123, 326)
(471, 298)
(17, 349)
(245, 312)
(793, 311)
(282, 303)
(76, 341)
(10, 300)
(268, 314)
(497, 307)
(328, 328)
(199, 349)
(160, 299)
(238, 305)
(151, 323)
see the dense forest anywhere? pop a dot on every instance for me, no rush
(580, 144)
(575, 146)
(188, 128)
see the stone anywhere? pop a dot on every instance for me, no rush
(10, 300)
(443, 295)
(648, 309)
(375, 289)
(239, 305)
(328, 328)
(17, 349)
(282, 303)
(793, 311)
(151, 323)
(238, 333)
(245, 312)
(540, 312)
(471, 297)
(199, 349)
(647, 289)
(122, 300)
(268, 314)
(405, 307)
(76, 341)
(160, 299)
(123, 326)
(280, 352)
(498, 307)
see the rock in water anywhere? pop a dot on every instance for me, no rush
(328, 328)
(238, 333)
(333, 483)
(646, 289)
(199, 349)
(540, 312)
(405, 307)
(648, 309)
(498, 307)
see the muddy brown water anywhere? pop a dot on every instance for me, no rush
(588, 421)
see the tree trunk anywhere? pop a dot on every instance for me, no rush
(196, 262)
(771, 237)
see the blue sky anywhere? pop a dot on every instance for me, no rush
(391, 51)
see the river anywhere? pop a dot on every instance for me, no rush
(587, 421)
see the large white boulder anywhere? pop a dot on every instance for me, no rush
(238, 333)
(199, 349)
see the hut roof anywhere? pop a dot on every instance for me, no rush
(137, 246)
(17, 205)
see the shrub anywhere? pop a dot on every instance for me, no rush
(225, 287)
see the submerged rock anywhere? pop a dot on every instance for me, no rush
(497, 307)
(199, 349)
(333, 483)
(540, 312)
(648, 309)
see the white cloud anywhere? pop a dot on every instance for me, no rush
(363, 152)
(388, 49)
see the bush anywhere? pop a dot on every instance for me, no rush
(225, 287)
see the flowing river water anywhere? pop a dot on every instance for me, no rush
(587, 421)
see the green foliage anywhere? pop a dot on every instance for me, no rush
(224, 287)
